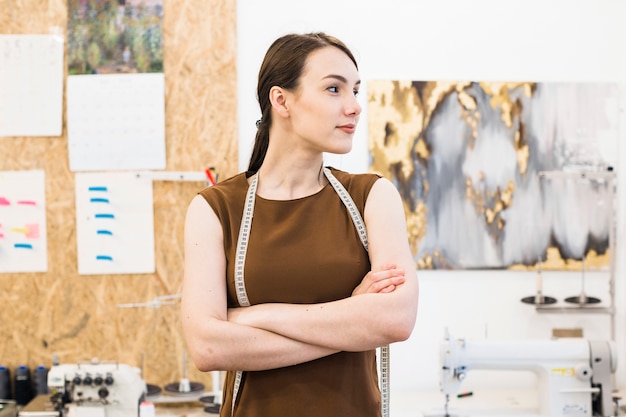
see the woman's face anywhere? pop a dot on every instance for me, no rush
(324, 110)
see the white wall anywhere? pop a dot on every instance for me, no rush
(529, 40)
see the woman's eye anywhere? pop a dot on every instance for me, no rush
(356, 93)
(333, 89)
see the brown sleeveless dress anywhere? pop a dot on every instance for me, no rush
(300, 251)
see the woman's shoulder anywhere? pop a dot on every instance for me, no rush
(358, 180)
(358, 185)
(231, 187)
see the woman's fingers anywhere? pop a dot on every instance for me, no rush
(383, 280)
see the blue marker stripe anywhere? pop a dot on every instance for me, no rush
(104, 216)
(98, 189)
(99, 200)
(104, 258)
(105, 232)
(22, 246)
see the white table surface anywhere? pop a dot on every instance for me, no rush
(488, 403)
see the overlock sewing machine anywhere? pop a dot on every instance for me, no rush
(95, 389)
(574, 374)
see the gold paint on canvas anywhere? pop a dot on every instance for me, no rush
(397, 119)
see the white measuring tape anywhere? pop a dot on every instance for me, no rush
(240, 286)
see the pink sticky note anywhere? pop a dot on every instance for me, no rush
(33, 231)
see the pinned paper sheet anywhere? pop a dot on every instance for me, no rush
(116, 122)
(114, 223)
(23, 246)
(31, 85)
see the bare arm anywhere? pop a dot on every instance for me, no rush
(214, 342)
(363, 321)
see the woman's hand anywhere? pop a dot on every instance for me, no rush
(384, 280)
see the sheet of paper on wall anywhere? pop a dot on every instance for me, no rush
(23, 243)
(31, 85)
(114, 223)
(116, 121)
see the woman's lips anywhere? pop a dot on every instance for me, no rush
(350, 128)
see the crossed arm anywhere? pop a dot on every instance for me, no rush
(381, 310)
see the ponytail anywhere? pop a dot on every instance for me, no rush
(261, 142)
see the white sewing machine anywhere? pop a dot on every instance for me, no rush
(95, 389)
(574, 374)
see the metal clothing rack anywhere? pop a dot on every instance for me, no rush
(609, 176)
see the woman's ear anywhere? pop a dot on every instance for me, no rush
(279, 101)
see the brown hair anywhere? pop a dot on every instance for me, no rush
(282, 66)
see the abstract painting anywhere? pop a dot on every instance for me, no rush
(499, 175)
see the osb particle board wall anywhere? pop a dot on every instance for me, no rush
(73, 316)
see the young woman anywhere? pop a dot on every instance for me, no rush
(279, 287)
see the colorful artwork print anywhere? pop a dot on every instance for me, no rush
(115, 36)
(473, 162)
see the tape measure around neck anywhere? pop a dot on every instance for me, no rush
(359, 224)
(240, 260)
(242, 242)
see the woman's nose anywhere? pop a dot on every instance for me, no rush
(353, 107)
